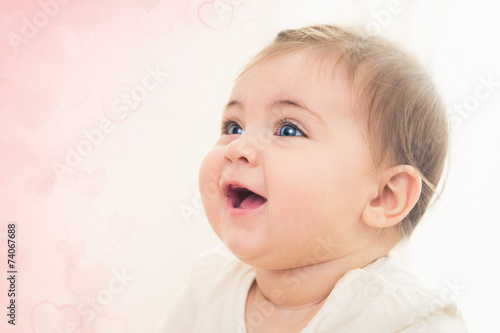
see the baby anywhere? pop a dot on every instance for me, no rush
(331, 148)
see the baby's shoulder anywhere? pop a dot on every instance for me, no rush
(393, 273)
(389, 273)
(385, 289)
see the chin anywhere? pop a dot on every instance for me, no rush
(246, 251)
(256, 257)
(242, 249)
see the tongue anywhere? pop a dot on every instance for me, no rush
(252, 201)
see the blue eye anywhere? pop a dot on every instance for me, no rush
(231, 127)
(235, 129)
(289, 130)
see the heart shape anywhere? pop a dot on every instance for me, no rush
(213, 14)
(33, 107)
(47, 317)
(72, 253)
(77, 230)
(90, 184)
(148, 5)
(249, 3)
(162, 15)
(105, 204)
(11, 24)
(121, 227)
(75, 40)
(71, 87)
(105, 324)
(39, 190)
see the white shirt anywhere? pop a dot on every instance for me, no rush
(380, 297)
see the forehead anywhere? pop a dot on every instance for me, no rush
(286, 69)
(299, 76)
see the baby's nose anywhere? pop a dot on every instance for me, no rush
(243, 150)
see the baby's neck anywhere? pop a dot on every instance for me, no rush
(263, 316)
(287, 300)
(306, 287)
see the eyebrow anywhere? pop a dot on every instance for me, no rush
(281, 103)
(234, 103)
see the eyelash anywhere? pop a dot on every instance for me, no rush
(228, 123)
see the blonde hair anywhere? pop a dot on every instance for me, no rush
(405, 119)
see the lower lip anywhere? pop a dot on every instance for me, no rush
(242, 211)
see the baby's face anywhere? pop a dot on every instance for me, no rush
(289, 137)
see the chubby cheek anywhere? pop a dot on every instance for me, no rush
(309, 196)
(208, 180)
(296, 188)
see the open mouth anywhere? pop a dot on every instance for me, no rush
(243, 198)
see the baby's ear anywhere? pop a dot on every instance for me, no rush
(398, 191)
